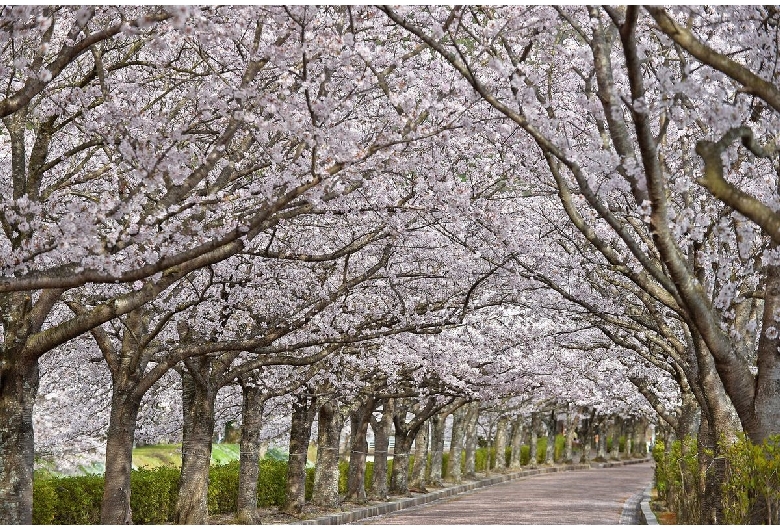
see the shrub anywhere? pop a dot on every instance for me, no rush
(223, 488)
(751, 491)
(44, 500)
(153, 494)
(78, 499)
(271, 482)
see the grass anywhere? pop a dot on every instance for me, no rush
(152, 456)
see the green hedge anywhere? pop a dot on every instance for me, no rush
(76, 500)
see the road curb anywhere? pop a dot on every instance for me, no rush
(412, 502)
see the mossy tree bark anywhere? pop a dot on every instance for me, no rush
(359, 421)
(381, 430)
(198, 397)
(437, 447)
(470, 444)
(501, 443)
(326, 472)
(304, 408)
(454, 471)
(248, 466)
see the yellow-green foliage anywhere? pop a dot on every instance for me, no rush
(752, 481)
(76, 500)
(677, 478)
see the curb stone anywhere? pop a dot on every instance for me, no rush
(404, 504)
(644, 514)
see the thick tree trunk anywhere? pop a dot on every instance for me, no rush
(420, 459)
(381, 430)
(399, 478)
(456, 445)
(326, 473)
(248, 466)
(549, 458)
(534, 439)
(300, 432)
(516, 442)
(115, 507)
(602, 430)
(568, 450)
(437, 448)
(614, 433)
(767, 397)
(359, 421)
(586, 436)
(501, 443)
(18, 387)
(198, 396)
(470, 444)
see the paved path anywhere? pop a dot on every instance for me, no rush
(594, 496)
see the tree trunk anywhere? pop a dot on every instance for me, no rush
(501, 442)
(571, 424)
(19, 379)
(517, 442)
(356, 474)
(115, 507)
(456, 445)
(381, 430)
(767, 397)
(437, 448)
(550, 454)
(198, 396)
(601, 429)
(614, 434)
(420, 459)
(470, 444)
(326, 473)
(534, 439)
(248, 467)
(300, 432)
(399, 478)
(586, 436)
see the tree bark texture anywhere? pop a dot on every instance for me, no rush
(399, 477)
(420, 457)
(535, 425)
(614, 434)
(198, 397)
(470, 443)
(501, 443)
(549, 458)
(454, 471)
(437, 448)
(516, 442)
(303, 411)
(326, 472)
(601, 446)
(767, 400)
(381, 430)
(18, 387)
(359, 421)
(248, 466)
(571, 424)
(115, 507)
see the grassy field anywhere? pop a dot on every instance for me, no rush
(170, 455)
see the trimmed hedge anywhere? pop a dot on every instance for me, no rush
(76, 500)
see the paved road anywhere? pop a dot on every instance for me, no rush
(594, 496)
